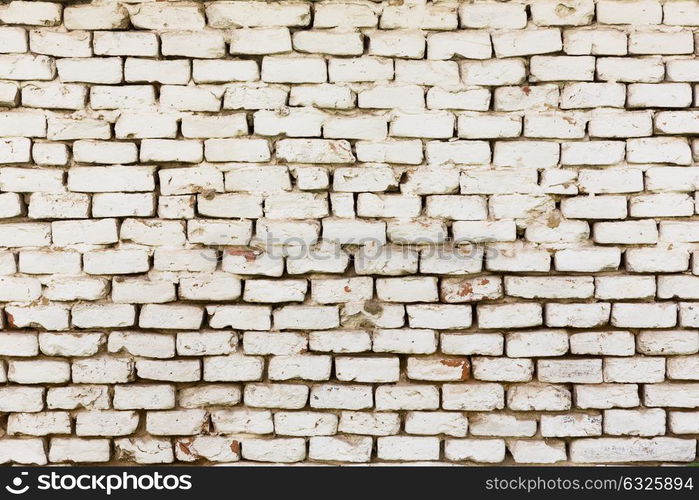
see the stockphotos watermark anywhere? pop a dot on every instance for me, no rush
(99, 483)
(369, 249)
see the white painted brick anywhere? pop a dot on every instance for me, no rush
(648, 422)
(247, 421)
(146, 397)
(274, 450)
(572, 13)
(72, 397)
(106, 423)
(70, 344)
(367, 369)
(124, 43)
(577, 371)
(376, 424)
(492, 15)
(476, 343)
(652, 342)
(612, 343)
(537, 343)
(101, 370)
(346, 449)
(501, 425)
(506, 370)
(39, 424)
(599, 41)
(476, 450)
(527, 42)
(516, 315)
(397, 43)
(571, 425)
(473, 396)
(142, 344)
(682, 422)
(79, 450)
(614, 450)
(629, 12)
(555, 68)
(176, 422)
(227, 15)
(679, 395)
(538, 397)
(406, 448)
(305, 423)
(432, 423)
(493, 72)
(27, 67)
(467, 44)
(212, 448)
(537, 452)
(171, 371)
(604, 396)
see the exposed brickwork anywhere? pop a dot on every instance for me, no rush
(349, 231)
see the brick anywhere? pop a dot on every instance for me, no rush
(78, 396)
(577, 371)
(208, 395)
(571, 425)
(289, 396)
(406, 448)
(70, 344)
(175, 422)
(142, 344)
(545, 452)
(27, 67)
(650, 422)
(574, 13)
(228, 15)
(651, 342)
(79, 450)
(253, 421)
(493, 72)
(471, 45)
(477, 450)
(475, 396)
(664, 394)
(212, 448)
(634, 369)
(613, 450)
(554, 68)
(612, 343)
(538, 397)
(123, 43)
(204, 45)
(175, 371)
(305, 423)
(346, 449)
(645, 12)
(106, 423)
(274, 450)
(146, 397)
(39, 424)
(101, 370)
(506, 370)
(509, 315)
(603, 396)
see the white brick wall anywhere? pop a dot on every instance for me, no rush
(349, 232)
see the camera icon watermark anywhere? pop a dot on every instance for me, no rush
(17, 487)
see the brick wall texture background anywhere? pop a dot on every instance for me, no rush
(349, 231)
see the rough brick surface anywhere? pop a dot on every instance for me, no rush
(348, 231)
